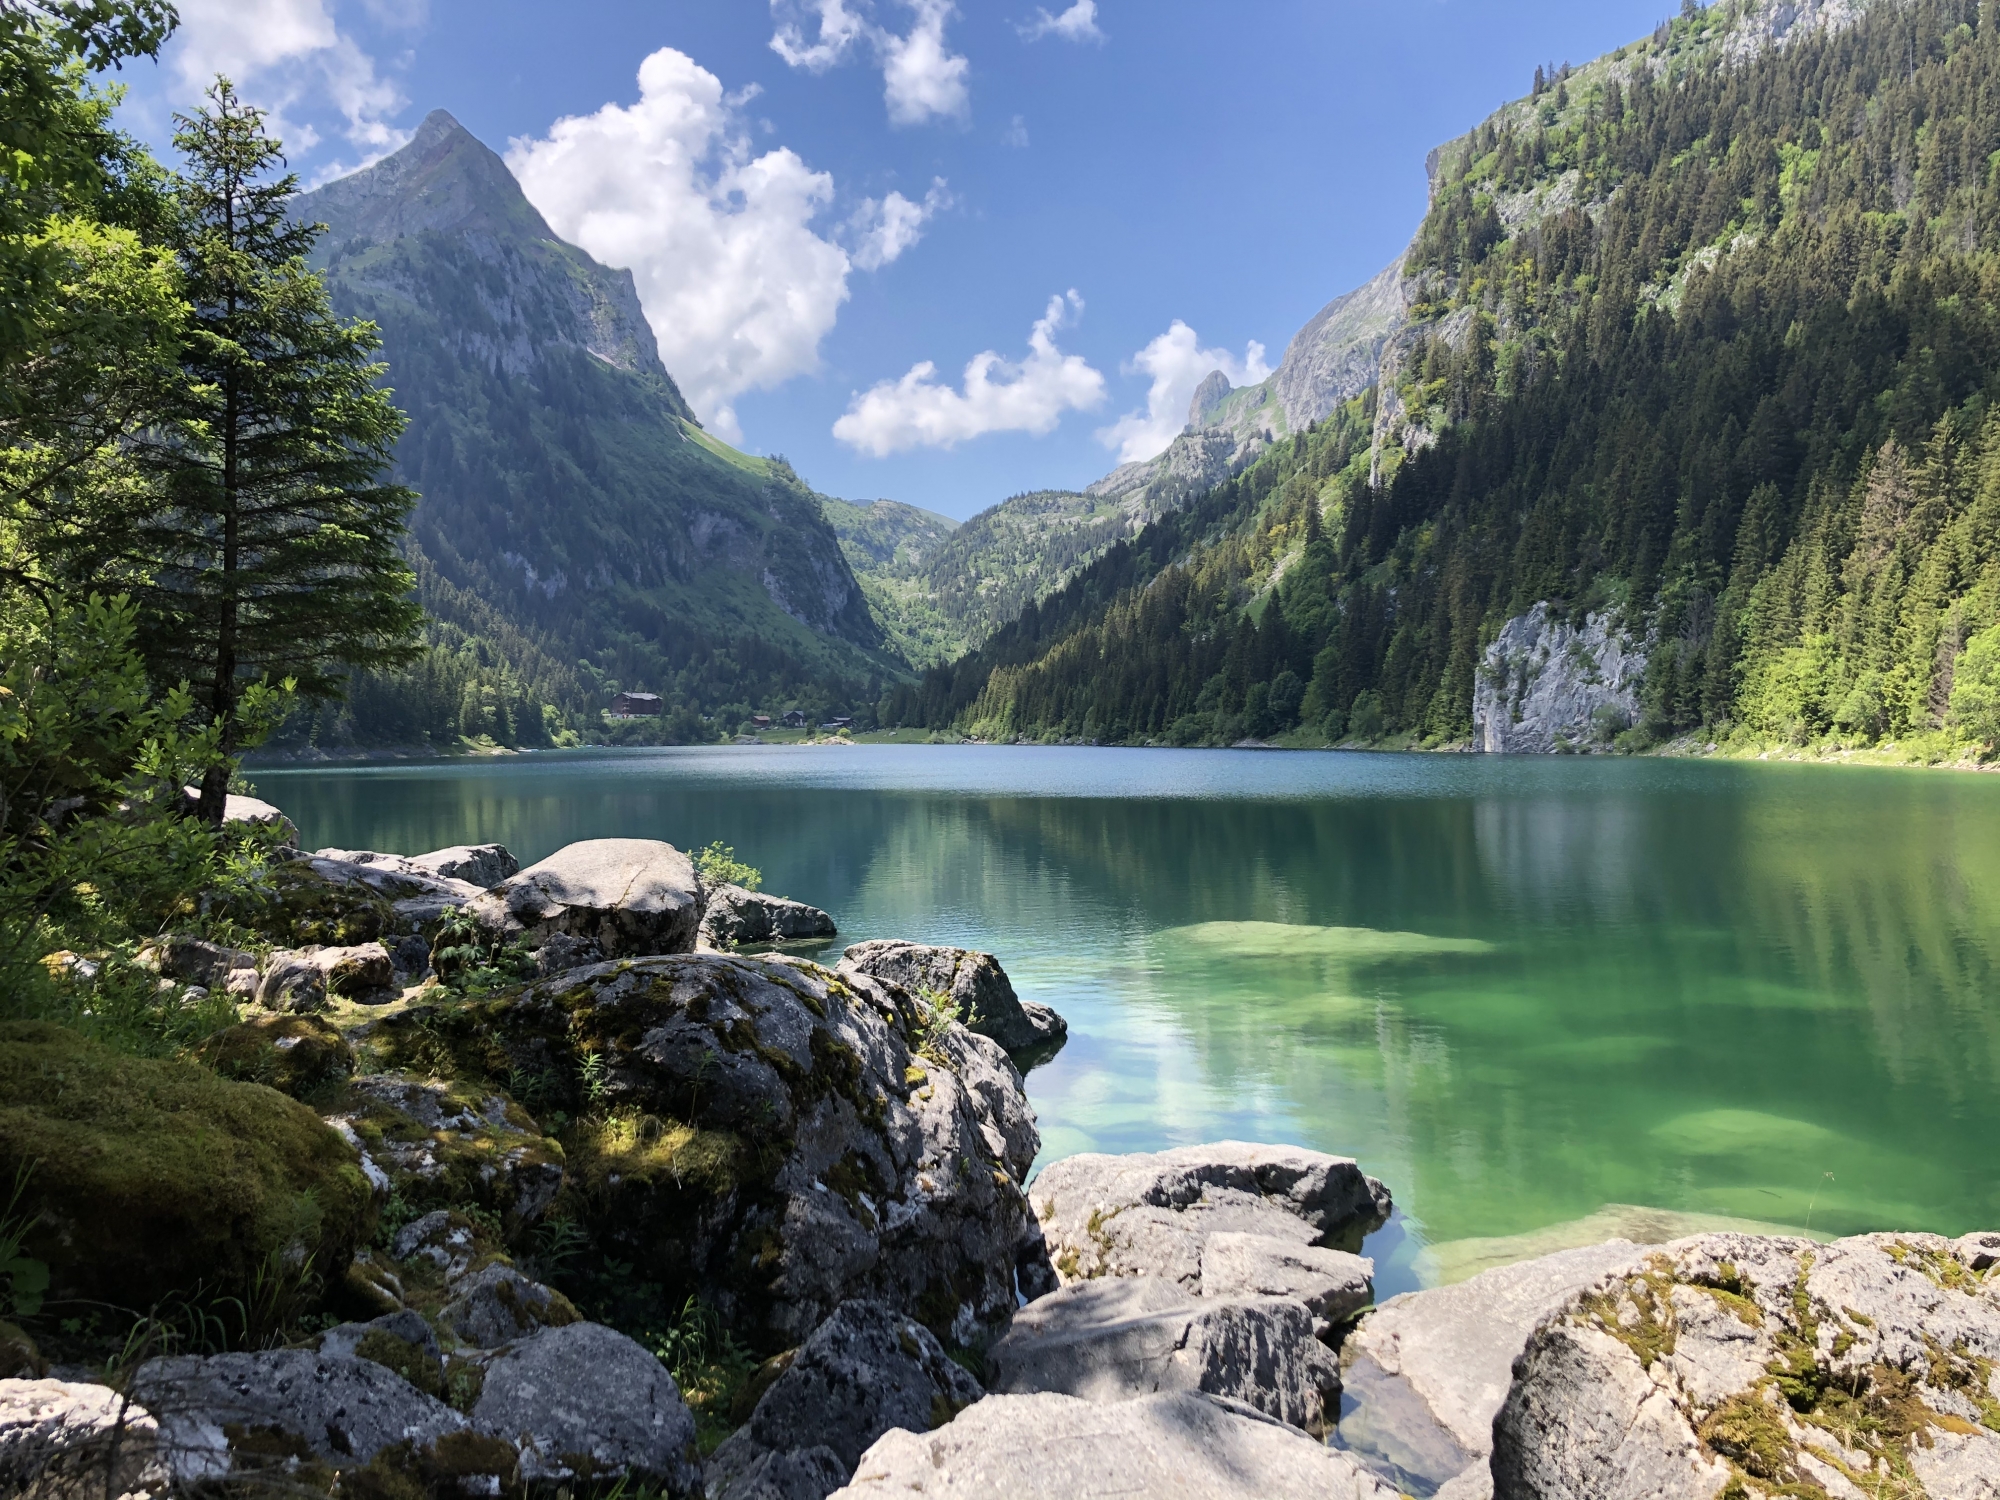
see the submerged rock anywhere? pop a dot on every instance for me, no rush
(973, 982)
(1126, 1337)
(1050, 1447)
(1744, 1363)
(1152, 1214)
(629, 896)
(148, 1178)
(1429, 1370)
(735, 918)
(867, 1369)
(585, 1402)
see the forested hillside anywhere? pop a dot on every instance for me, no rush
(1703, 335)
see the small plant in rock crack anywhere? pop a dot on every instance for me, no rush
(596, 1086)
(940, 1013)
(709, 1364)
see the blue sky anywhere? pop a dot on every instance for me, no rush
(818, 197)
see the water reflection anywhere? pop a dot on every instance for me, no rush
(1519, 990)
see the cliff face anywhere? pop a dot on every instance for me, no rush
(1546, 685)
(565, 482)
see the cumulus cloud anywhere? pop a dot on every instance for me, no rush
(922, 78)
(1177, 364)
(998, 395)
(738, 284)
(1077, 24)
(289, 55)
(884, 230)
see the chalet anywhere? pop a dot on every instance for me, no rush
(762, 721)
(796, 719)
(637, 706)
(838, 724)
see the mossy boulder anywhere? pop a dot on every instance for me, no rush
(151, 1179)
(296, 1055)
(301, 905)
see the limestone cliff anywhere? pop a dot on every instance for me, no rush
(1547, 685)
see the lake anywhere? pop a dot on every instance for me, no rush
(1546, 1000)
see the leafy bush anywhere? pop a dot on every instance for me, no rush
(718, 865)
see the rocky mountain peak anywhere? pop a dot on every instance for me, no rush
(1207, 396)
(446, 180)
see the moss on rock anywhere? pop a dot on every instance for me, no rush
(153, 1179)
(297, 1055)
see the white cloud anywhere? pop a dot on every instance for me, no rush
(998, 396)
(1015, 134)
(287, 54)
(1077, 24)
(1177, 364)
(739, 287)
(922, 78)
(884, 230)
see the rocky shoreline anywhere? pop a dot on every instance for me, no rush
(491, 1153)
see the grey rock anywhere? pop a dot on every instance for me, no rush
(498, 1305)
(1338, 355)
(467, 1145)
(1642, 1383)
(448, 1245)
(890, 1178)
(193, 961)
(1429, 1370)
(1150, 1214)
(735, 918)
(802, 1474)
(483, 865)
(292, 982)
(866, 1370)
(1333, 1284)
(1978, 1252)
(345, 1410)
(975, 982)
(301, 979)
(417, 894)
(585, 1400)
(630, 896)
(1546, 685)
(1126, 1337)
(249, 812)
(406, 1327)
(73, 1441)
(1053, 1447)
(560, 953)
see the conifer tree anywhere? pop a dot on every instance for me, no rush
(273, 555)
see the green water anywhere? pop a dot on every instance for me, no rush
(1524, 992)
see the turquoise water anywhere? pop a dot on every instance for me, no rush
(1534, 996)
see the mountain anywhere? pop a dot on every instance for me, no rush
(1699, 346)
(890, 545)
(570, 500)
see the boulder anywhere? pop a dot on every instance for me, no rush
(443, 1143)
(448, 1242)
(1151, 1214)
(296, 1055)
(1125, 1337)
(1050, 1447)
(318, 903)
(498, 1305)
(735, 918)
(400, 1341)
(1333, 1284)
(583, 1402)
(417, 894)
(757, 1130)
(973, 982)
(292, 983)
(153, 1178)
(560, 953)
(630, 896)
(195, 961)
(19, 1358)
(340, 1409)
(1426, 1372)
(482, 866)
(1753, 1365)
(301, 980)
(865, 1370)
(64, 1441)
(249, 812)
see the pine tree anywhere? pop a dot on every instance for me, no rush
(273, 555)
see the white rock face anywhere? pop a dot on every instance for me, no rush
(1546, 685)
(632, 897)
(64, 1441)
(1050, 1447)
